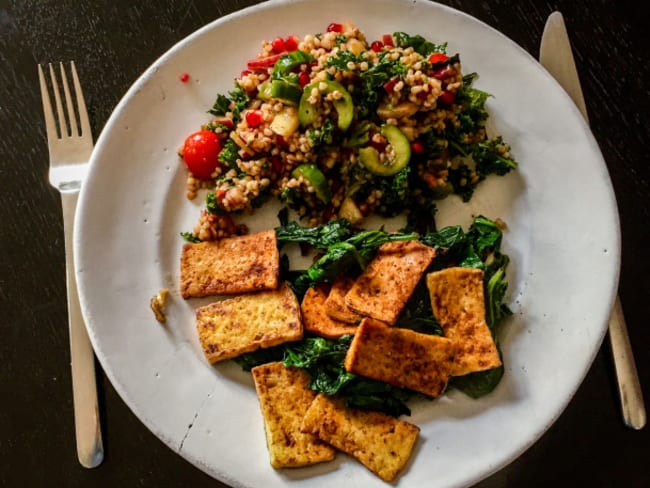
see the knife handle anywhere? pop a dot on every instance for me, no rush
(632, 404)
(90, 448)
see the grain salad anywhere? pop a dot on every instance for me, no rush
(339, 126)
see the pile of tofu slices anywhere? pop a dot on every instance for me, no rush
(304, 427)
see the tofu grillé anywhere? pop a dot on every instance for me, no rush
(245, 323)
(231, 265)
(458, 304)
(382, 290)
(284, 397)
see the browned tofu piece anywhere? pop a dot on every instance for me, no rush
(458, 305)
(387, 283)
(230, 266)
(381, 443)
(316, 320)
(401, 357)
(335, 304)
(284, 397)
(245, 323)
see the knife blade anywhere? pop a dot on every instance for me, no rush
(556, 55)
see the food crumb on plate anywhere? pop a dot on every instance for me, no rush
(157, 305)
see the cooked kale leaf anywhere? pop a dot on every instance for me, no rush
(323, 360)
(418, 43)
(235, 102)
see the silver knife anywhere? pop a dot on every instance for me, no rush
(556, 56)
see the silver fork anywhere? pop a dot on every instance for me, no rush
(70, 146)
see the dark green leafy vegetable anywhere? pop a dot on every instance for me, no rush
(371, 81)
(235, 102)
(229, 154)
(395, 193)
(261, 356)
(418, 43)
(478, 248)
(489, 159)
(323, 360)
(211, 204)
(322, 136)
(320, 237)
(348, 256)
(417, 314)
(189, 237)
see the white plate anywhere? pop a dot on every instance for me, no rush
(562, 236)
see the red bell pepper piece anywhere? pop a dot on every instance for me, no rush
(263, 63)
(436, 58)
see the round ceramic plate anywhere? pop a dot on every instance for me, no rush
(562, 237)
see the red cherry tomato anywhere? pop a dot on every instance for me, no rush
(201, 153)
(447, 98)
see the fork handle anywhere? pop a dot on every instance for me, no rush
(90, 448)
(634, 413)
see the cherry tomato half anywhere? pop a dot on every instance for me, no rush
(201, 153)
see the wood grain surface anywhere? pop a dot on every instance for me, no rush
(112, 42)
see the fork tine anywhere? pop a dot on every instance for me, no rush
(50, 123)
(72, 119)
(64, 130)
(81, 103)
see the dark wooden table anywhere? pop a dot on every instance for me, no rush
(112, 42)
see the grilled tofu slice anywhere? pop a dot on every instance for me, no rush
(401, 357)
(335, 304)
(387, 283)
(230, 266)
(315, 318)
(245, 323)
(458, 305)
(284, 397)
(381, 443)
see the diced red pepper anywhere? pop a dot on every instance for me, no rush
(254, 118)
(334, 27)
(377, 46)
(278, 45)
(442, 73)
(291, 43)
(379, 145)
(282, 142)
(329, 213)
(276, 164)
(387, 39)
(389, 86)
(225, 121)
(220, 193)
(430, 179)
(447, 97)
(304, 79)
(263, 63)
(244, 73)
(417, 147)
(436, 58)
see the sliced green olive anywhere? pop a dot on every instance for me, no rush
(369, 156)
(344, 106)
(316, 178)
